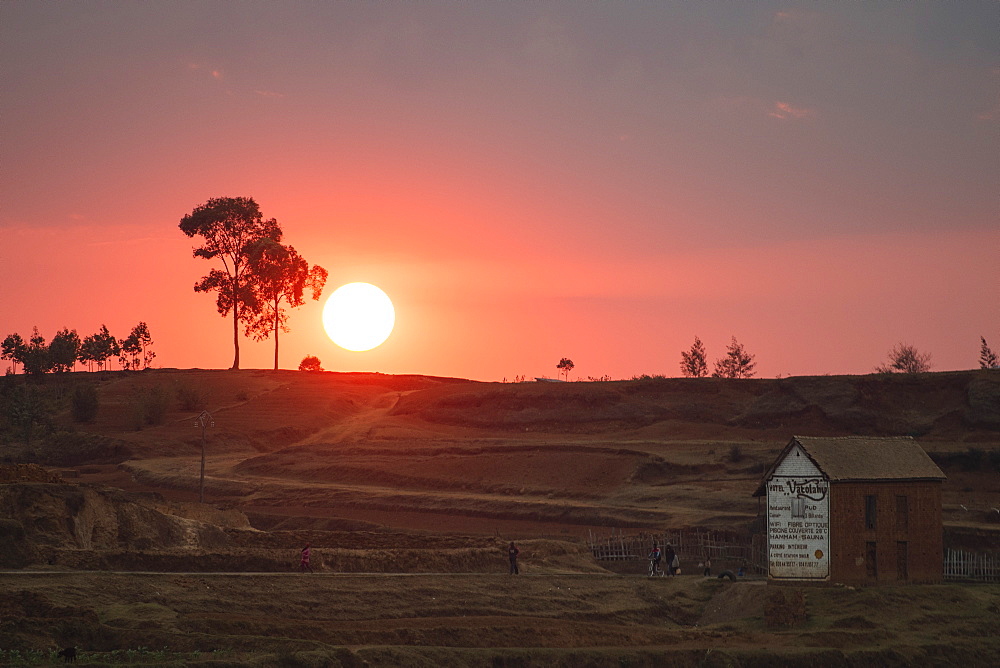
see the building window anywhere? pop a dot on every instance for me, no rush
(798, 507)
(871, 510)
(902, 561)
(902, 514)
(871, 560)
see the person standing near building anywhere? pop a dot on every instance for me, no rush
(670, 559)
(512, 553)
(655, 557)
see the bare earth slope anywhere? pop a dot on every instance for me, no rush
(425, 480)
(328, 450)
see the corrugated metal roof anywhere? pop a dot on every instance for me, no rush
(863, 458)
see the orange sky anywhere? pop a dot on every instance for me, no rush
(601, 182)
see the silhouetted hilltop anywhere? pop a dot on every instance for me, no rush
(933, 405)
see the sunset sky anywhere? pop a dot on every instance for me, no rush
(527, 181)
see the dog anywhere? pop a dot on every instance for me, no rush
(68, 655)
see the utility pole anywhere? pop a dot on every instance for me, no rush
(204, 421)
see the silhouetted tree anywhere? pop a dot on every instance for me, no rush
(37, 359)
(693, 362)
(737, 363)
(230, 226)
(904, 358)
(134, 350)
(128, 352)
(98, 348)
(310, 363)
(279, 276)
(86, 355)
(141, 332)
(64, 350)
(565, 365)
(987, 358)
(12, 349)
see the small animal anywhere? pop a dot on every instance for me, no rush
(68, 655)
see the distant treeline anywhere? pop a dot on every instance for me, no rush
(66, 349)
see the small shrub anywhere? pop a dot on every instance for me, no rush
(135, 415)
(735, 454)
(191, 398)
(310, 363)
(155, 405)
(84, 403)
(148, 407)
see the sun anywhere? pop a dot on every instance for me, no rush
(358, 316)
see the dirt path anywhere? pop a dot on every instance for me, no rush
(361, 425)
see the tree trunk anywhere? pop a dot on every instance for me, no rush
(276, 328)
(236, 335)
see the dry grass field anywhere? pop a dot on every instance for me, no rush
(410, 487)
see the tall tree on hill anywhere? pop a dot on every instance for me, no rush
(905, 358)
(280, 276)
(230, 227)
(141, 333)
(987, 358)
(37, 359)
(565, 365)
(99, 348)
(737, 363)
(693, 362)
(134, 349)
(64, 350)
(13, 349)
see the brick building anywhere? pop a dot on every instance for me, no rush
(853, 510)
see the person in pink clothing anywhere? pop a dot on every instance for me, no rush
(304, 560)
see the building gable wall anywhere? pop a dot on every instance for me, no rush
(798, 519)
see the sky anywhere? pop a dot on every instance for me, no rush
(527, 181)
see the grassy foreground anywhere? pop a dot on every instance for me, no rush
(488, 620)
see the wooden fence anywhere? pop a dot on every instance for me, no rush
(962, 565)
(732, 549)
(725, 549)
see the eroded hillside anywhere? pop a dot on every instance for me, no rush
(364, 451)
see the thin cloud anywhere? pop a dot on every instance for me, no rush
(269, 93)
(777, 109)
(785, 111)
(216, 73)
(990, 114)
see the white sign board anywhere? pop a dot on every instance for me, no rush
(798, 520)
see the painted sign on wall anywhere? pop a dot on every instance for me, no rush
(798, 520)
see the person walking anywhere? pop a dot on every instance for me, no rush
(304, 559)
(670, 559)
(512, 553)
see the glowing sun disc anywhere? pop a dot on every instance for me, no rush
(358, 316)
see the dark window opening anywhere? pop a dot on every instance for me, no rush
(871, 560)
(902, 570)
(798, 507)
(870, 511)
(902, 514)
